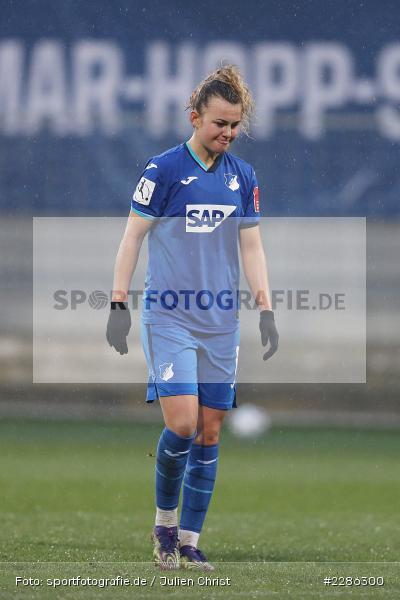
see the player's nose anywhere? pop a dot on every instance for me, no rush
(227, 132)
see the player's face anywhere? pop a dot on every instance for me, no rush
(218, 124)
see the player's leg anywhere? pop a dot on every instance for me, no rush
(217, 394)
(180, 416)
(200, 476)
(172, 361)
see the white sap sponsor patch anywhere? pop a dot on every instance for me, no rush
(205, 218)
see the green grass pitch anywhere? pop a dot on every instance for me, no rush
(76, 499)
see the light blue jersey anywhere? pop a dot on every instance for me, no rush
(193, 271)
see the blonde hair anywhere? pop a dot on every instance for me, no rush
(227, 83)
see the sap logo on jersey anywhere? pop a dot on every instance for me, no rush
(205, 218)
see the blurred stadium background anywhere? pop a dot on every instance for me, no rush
(89, 91)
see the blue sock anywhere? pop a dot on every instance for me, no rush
(198, 486)
(172, 455)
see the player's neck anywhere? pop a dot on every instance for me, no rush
(204, 155)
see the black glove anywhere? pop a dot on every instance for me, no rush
(268, 332)
(118, 326)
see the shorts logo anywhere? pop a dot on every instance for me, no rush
(151, 166)
(144, 191)
(166, 371)
(205, 218)
(256, 199)
(231, 181)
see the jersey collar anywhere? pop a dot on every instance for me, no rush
(193, 154)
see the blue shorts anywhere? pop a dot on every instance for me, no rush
(181, 361)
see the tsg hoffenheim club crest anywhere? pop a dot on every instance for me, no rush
(166, 371)
(231, 181)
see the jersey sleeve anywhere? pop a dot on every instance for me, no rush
(251, 209)
(150, 195)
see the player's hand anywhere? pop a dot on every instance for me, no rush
(118, 326)
(269, 332)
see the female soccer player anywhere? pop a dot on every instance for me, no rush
(198, 202)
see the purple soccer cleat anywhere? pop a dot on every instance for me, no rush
(166, 553)
(193, 558)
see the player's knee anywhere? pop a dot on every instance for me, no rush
(208, 438)
(183, 429)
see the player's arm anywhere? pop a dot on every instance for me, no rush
(256, 272)
(119, 321)
(128, 254)
(255, 265)
(146, 206)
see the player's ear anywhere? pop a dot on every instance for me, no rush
(195, 119)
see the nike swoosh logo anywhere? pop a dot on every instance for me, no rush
(175, 453)
(151, 166)
(206, 462)
(188, 180)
